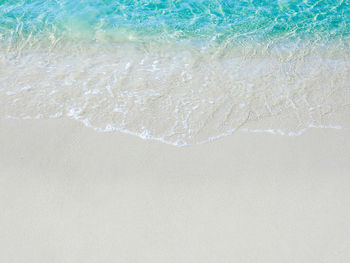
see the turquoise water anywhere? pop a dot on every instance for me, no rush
(182, 72)
(169, 20)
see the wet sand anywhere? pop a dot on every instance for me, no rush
(70, 194)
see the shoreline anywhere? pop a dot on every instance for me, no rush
(44, 130)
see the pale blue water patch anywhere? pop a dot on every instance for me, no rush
(171, 20)
(178, 71)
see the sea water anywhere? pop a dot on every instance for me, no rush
(179, 71)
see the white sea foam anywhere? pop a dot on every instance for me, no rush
(178, 96)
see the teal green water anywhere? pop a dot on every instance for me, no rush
(168, 20)
(179, 71)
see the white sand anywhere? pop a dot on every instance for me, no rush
(69, 194)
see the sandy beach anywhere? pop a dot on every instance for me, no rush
(70, 194)
(165, 131)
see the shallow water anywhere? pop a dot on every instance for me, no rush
(182, 72)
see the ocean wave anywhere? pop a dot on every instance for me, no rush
(182, 72)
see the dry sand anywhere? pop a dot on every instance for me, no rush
(70, 194)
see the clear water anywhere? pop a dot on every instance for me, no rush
(182, 72)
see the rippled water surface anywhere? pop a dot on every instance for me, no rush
(182, 72)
